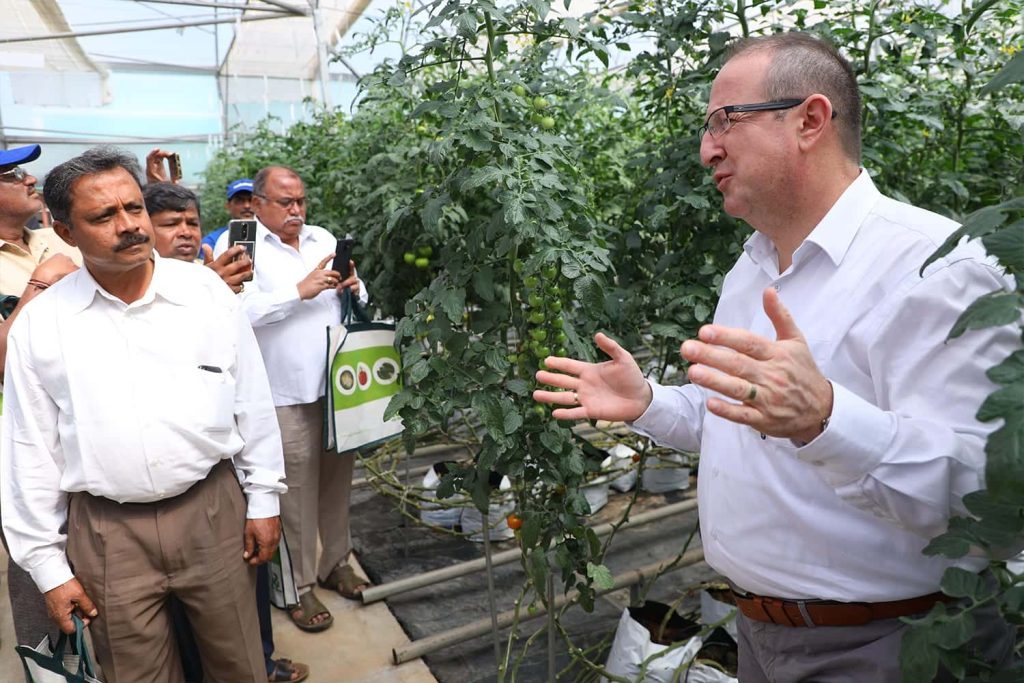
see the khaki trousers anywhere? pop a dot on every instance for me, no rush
(319, 490)
(131, 557)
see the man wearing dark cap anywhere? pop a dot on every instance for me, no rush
(239, 206)
(30, 261)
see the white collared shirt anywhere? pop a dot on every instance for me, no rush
(125, 401)
(292, 332)
(846, 516)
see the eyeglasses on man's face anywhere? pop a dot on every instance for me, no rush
(286, 202)
(14, 175)
(718, 121)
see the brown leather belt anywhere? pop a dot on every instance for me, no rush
(829, 613)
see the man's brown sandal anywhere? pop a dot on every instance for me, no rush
(308, 609)
(346, 581)
(287, 671)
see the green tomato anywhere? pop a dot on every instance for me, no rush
(540, 103)
(556, 306)
(422, 263)
(536, 318)
(560, 338)
(425, 250)
(539, 410)
(554, 291)
(513, 358)
(550, 272)
(539, 334)
(517, 266)
(561, 351)
(543, 351)
(536, 300)
(530, 281)
(422, 129)
(547, 123)
(409, 257)
(519, 90)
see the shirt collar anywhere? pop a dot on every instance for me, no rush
(26, 235)
(263, 233)
(84, 288)
(835, 232)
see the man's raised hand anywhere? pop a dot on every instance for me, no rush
(778, 386)
(319, 279)
(612, 390)
(234, 273)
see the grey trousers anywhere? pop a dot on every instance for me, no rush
(770, 653)
(28, 607)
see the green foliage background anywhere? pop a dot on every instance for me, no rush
(539, 234)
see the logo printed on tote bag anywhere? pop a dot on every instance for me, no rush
(365, 375)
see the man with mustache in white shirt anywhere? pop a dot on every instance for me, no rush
(139, 442)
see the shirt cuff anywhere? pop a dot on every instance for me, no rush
(262, 505)
(52, 573)
(659, 413)
(855, 441)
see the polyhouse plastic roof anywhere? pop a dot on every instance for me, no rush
(75, 73)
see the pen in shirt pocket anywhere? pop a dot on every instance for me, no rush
(210, 368)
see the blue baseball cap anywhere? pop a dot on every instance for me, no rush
(19, 155)
(240, 185)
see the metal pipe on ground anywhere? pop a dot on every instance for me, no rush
(376, 593)
(425, 646)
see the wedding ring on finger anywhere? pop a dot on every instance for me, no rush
(752, 394)
(575, 398)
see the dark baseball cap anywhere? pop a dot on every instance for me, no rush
(240, 185)
(19, 155)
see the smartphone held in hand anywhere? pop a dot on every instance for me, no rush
(342, 255)
(174, 166)
(243, 232)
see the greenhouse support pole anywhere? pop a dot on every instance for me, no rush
(551, 628)
(491, 604)
(376, 593)
(439, 641)
(321, 51)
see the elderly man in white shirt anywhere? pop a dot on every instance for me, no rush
(837, 432)
(292, 299)
(136, 404)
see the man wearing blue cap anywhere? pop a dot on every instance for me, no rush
(239, 206)
(21, 250)
(30, 261)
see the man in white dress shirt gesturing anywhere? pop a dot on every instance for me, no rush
(837, 430)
